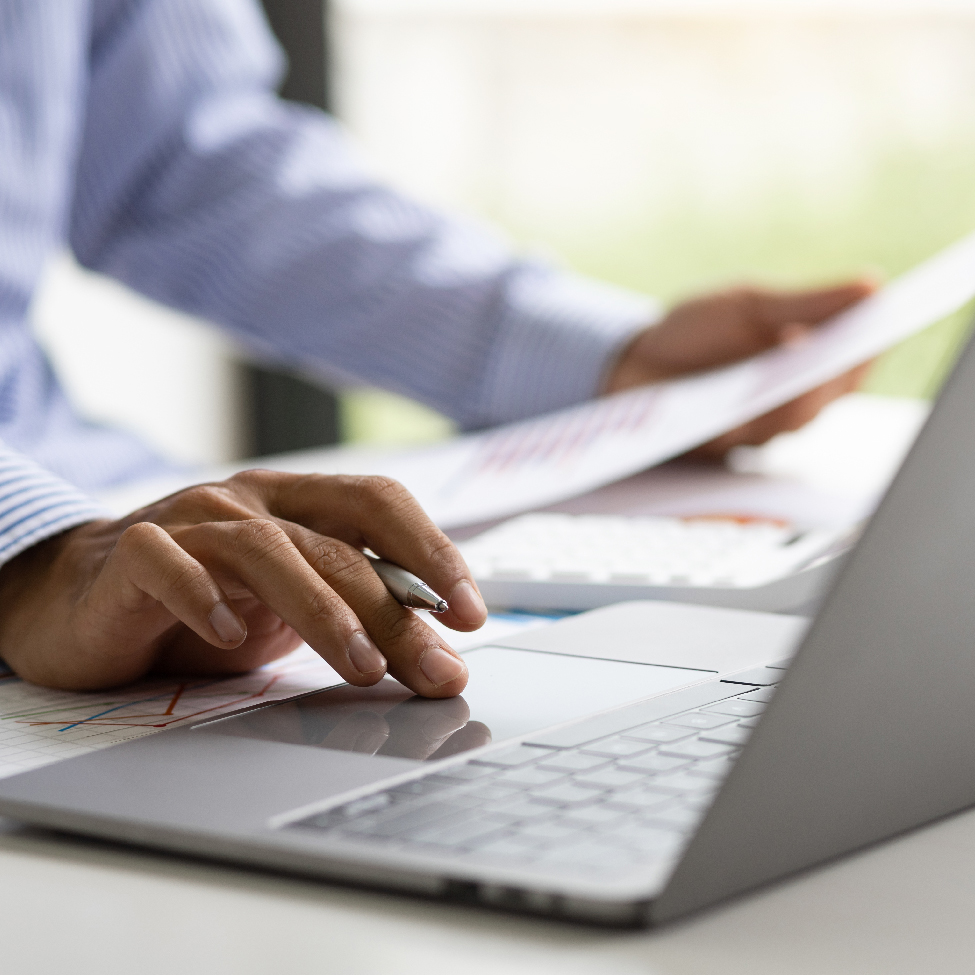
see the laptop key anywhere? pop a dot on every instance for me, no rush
(410, 819)
(611, 778)
(455, 834)
(545, 832)
(679, 818)
(683, 782)
(648, 837)
(528, 775)
(599, 815)
(489, 791)
(510, 757)
(573, 761)
(699, 803)
(638, 800)
(651, 762)
(733, 735)
(658, 733)
(518, 807)
(713, 768)
(615, 747)
(760, 694)
(565, 794)
(422, 787)
(699, 720)
(738, 708)
(635, 715)
(367, 804)
(696, 749)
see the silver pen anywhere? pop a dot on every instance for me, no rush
(410, 590)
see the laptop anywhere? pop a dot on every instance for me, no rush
(625, 766)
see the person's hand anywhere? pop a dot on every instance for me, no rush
(224, 577)
(722, 328)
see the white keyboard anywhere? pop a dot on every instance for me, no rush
(559, 561)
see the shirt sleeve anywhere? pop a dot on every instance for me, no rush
(200, 188)
(35, 504)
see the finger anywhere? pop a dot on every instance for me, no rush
(784, 310)
(149, 580)
(380, 514)
(183, 653)
(259, 554)
(786, 418)
(417, 657)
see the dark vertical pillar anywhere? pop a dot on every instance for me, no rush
(286, 412)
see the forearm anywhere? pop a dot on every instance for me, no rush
(259, 216)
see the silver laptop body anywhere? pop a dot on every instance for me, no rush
(624, 766)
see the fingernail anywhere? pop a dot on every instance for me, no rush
(440, 667)
(226, 624)
(466, 603)
(364, 654)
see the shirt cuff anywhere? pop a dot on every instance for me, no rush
(35, 505)
(559, 336)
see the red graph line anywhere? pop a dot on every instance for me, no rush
(133, 721)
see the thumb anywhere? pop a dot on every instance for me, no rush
(792, 311)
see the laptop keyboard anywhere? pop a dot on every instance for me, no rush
(579, 799)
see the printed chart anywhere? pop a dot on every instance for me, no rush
(39, 726)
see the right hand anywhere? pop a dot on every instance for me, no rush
(221, 578)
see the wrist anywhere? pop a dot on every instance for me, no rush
(634, 365)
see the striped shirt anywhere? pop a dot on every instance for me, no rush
(145, 135)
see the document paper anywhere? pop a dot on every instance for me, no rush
(521, 466)
(526, 465)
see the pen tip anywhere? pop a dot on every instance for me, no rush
(441, 606)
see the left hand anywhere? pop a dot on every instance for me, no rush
(727, 326)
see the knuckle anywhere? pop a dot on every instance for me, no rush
(184, 577)
(259, 536)
(256, 477)
(319, 604)
(443, 551)
(378, 491)
(215, 500)
(330, 557)
(137, 538)
(397, 625)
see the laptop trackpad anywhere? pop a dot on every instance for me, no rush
(510, 692)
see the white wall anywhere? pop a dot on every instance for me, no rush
(554, 115)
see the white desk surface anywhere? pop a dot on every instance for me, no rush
(72, 907)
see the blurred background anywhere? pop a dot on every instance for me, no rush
(666, 145)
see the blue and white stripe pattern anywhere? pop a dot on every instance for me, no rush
(34, 504)
(144, 135)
